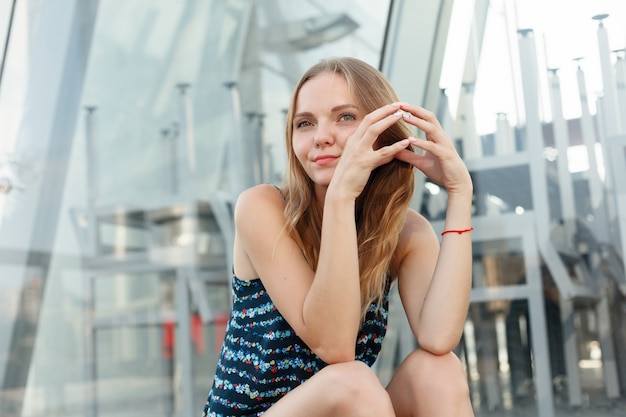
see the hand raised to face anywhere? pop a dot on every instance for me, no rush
(333, 137)
(440, 161)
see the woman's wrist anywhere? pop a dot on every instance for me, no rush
(337, 200)
(459, 211)
(461, 197)
(339, 194)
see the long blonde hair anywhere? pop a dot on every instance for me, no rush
(381, 206)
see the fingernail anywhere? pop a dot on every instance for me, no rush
(402, 113)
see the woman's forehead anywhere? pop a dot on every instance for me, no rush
(326, 88)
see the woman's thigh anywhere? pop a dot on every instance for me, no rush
(343, 389)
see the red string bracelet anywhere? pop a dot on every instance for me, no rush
(460, 231)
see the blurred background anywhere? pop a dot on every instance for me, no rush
(128, 128)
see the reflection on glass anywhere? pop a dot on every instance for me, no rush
(135, 341)
(499, 355)
(179, 107)
(498, 262)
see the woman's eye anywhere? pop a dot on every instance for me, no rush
(346, 117)
(302, 123)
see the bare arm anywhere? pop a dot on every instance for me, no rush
(435, 280)
(434, 283)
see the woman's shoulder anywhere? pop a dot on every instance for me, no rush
(417, 233)
(259, 218)
(257, 205)
(262, 190)
(414, 222)
(260, 197)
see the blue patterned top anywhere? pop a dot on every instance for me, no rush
(262, 358)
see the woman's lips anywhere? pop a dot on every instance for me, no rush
(324, 159)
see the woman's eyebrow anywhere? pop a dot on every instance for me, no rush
(303, 114)
(333, 110)
(344, 106)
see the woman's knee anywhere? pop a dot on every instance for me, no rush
(428, 384)
(437, 373)
(353, 388)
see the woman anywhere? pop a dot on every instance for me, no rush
(314, 260)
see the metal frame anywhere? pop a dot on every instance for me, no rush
(509, 226)
(185, 265)
(617, 151)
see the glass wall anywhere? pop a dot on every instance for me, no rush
(129, 128)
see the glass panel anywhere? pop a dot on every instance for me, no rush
(6, 7)
(135, 342)
(498, 262)
(155, 82)
(132, 373)
(178, 101)
(498, 352)
(498, 358)
(502, 190)
(497, 190)
(132, 294)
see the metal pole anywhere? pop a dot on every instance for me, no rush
(256, 147)
(183, 343)
(609, 361)
(170, 150)
(620, 76)
(187, 154)
(92, 180)
(534, 143)
(472, 148)
(90, 367)
(596, 187)
(611, 120)
(570, 346)
(534, 134)
(505, 139)
(561, 139)
(239, 173)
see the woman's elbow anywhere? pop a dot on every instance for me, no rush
(438, 345)
(335, 354)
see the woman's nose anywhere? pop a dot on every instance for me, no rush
(323, 136)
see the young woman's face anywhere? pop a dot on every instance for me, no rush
(325, 115)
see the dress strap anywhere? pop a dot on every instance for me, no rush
(281, 192)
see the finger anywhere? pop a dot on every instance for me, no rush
(427, 146)
(441, 153)
(381, 119)
(375, 123)
(424, 120)
(409, 157)
(421, 113)
(376, 116)
(388, 153)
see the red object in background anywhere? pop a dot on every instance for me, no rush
(197, 334)
(169, 327)
(219, 330)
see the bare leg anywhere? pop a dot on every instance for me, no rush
(430, 385)
(343, 389)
